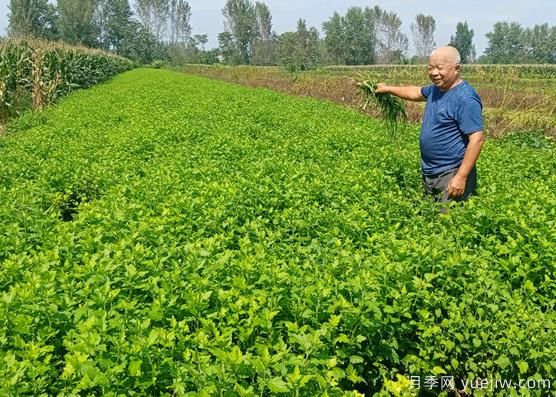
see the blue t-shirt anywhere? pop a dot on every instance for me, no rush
(449, 118)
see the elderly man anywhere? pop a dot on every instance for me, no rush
(452, 130)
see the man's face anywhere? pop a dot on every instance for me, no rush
(442, 71)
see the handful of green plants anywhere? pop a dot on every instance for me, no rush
(392, 108)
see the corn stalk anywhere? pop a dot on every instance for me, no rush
(34, 73)
(37, 94)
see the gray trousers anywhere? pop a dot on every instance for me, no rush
(437, 185)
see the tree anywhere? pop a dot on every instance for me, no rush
(182, 22)
(154, 15)
(168, 20)
(463, 41)
(423, 35)
(506, 43)
(112, 20)
(32, 17)
(360, 37)
(299, 50)
(264, 37)
(540, 44)
(139, 44)
(240, 22)
(287, 50)
(307, 45)
(143, 11)
(227, 48)
(392, 42)
(77, 22)
(351, 39)
(160, 12)
(335, 38)
(196, 52)
(325, 58)
(172, 20)
(200, 39)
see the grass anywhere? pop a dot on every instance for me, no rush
(392, 109)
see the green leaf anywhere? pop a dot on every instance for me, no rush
(438, 370)
(356, 360)
(503, 361)
(135, 367)
(277, 385)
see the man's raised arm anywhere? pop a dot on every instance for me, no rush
(409, 92)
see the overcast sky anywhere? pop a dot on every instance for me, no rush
(480, 14)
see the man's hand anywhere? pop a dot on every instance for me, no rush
(456, 186)
(381, 88)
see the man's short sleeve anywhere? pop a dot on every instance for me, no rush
(470, 117)
(427, 90)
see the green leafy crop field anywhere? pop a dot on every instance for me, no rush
(164, 234)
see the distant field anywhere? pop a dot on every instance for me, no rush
(516, 98)
(169, 235)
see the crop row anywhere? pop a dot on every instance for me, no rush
(165, 234)
(34, 73)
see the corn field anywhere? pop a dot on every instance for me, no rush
(35, 73)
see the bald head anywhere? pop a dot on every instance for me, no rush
(446, 54)
(444, 67)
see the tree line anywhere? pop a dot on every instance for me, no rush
(161, 30)
(152, 30)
